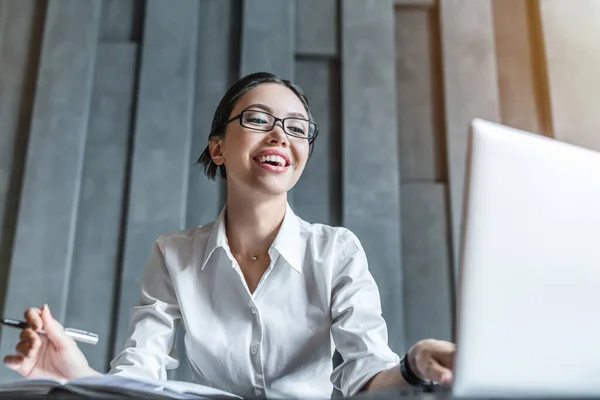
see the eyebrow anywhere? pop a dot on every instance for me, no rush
(270, 110)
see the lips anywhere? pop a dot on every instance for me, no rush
(273, 160)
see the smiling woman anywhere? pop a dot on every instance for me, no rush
(264, 295)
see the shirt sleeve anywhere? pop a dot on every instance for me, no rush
(148, 350)
(358, 328)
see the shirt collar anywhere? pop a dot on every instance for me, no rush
(287, 242)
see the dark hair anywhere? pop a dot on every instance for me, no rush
(226, 105)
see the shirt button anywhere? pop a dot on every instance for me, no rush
(256, 391)
(254, 350)
(253, 310)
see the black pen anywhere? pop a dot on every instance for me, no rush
(77, 334)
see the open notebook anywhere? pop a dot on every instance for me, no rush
(117, 386)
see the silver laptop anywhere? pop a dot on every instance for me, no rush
(528, 320)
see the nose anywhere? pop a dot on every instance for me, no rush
(277, 135)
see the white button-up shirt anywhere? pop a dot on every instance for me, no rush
(317, 295)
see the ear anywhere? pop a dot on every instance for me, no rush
(215, 147)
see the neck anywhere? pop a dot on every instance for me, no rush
(252, 223)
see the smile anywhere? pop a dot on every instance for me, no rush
(272, 162)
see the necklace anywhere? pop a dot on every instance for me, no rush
(254, 258)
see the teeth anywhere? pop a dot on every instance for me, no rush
(272, 158)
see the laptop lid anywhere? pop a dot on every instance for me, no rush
(528, 320)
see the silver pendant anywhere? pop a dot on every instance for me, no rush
(254, 258)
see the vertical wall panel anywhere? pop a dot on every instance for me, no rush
(268, 37)
(43, 245)
(317, 196)
(428, 297)
(161, 151)
(516, 82)
(470, 86)
(20, 26)
(370, 149)
(214, 73)
(572, 56)
(317, 27)
(96, 255)
(421, 135)
(119, 20)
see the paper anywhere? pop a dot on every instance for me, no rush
(117, 385)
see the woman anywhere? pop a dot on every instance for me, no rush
(265, 296)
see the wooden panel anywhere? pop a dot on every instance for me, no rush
(96, 255)
(317, 27)
(268, 37)
(43, 244)
(420, 108)
(470, 86)
(370, 149)
(20, 23)
(516, 82)
(120, 20)
(572, 56)
(428, 300)
(317, 194)
(161, 152)
(416, 3)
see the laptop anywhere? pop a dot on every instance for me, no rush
(528, 317)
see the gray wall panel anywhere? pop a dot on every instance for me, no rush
(18, 25)
(470, 86)
(427, 268)
(370, 148)
(317, 27)
(317, 192)
(572, 57)
(161, 152)
(214, 73)
(97, 243)
(119, 19)
(268, 37)
(44, 237)
(421, 136)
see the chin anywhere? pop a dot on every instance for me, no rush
(273, 187)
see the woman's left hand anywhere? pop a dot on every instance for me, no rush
(433, 360)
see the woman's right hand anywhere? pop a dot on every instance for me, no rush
(53, 355)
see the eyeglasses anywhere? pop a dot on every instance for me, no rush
(263, 121)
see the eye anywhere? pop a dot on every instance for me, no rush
(256, 118)
(297, 126)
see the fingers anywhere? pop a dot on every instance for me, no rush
(434, 371)
(33, 317)
(31, 337)
(434, 360)
(14, 362)
(444, 353)
(54, 330)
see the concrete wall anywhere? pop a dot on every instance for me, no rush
(105, 105)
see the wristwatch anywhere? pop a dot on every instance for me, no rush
(411, 378)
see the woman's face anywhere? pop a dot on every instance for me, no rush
(260, 162)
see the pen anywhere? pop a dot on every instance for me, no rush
(77, 334)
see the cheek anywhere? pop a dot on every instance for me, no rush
(302, 153)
